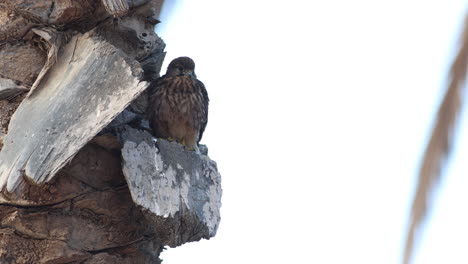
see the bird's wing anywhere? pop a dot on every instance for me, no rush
(154, 105)
(205, 101)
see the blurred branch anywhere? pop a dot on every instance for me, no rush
(441, 142)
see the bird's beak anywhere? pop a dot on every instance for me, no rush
(190, 74)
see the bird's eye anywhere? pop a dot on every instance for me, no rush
(180, 69)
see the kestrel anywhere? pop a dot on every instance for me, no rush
(178, 104)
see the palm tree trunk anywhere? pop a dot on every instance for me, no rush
(81, 178)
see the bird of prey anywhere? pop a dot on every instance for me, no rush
(178, 104)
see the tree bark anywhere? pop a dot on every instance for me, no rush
(82, 180)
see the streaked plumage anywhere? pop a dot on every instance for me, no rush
(178, 104)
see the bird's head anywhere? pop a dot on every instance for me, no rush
(182, 66)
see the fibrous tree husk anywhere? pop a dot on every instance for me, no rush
(82, 180)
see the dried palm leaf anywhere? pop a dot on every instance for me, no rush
(440, 144)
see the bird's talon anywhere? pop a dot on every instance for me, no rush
(189, 148)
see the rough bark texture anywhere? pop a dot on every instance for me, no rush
(84, 214)
(82, 180)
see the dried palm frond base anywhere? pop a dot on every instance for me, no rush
(441, 142)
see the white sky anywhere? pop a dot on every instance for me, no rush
(319, 114)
